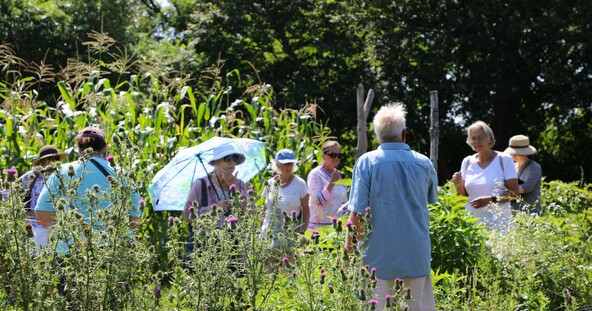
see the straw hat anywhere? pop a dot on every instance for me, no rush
(48, 152)
(520, 145)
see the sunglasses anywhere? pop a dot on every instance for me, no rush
(333, 155)
(231, 158)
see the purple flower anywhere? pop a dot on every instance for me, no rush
(125, 285)
(250, 191)
(11, 171)
(331, 288)
(407, 293)
(294, 274)
(387, 298)
(171, 219)
(232, 187)
(373, 301)
(285, 259)
(323, 278)
(368, 209)
(231, 219)
(333, 219)
(157, 291)
(321, 270)
(276, 176)
(142, 202)
(110, 158)
(293, 212)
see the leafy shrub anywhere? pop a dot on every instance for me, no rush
(457, 241)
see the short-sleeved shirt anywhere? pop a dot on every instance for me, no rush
(397, 184)
(486, 182)
(88, 177)
(289, 198)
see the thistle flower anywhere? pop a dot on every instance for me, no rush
(348, 225)
(125, 285)
(12, 172)
(315, 236)
(398, 284)
(232, 222)
(388, 301)
(406, 307)
(250, 191)
(157, 291)
(323, 275)
(111, 159)
(71, 172)
(29, 229)
(331, 290)
(171, 219)
(334, 221)
(232, 187)
(294, 274)
(373, 303)
(343, 276)
(276, 176)
(362, 294)
(373, 273)
(142, 202)
(408, 293)
(339, 226)
(368, 209)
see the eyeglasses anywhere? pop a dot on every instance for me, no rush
(231, 157)
(333, 155)
(478, 138)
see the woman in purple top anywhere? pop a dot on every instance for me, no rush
(326, 197)
(214, 188)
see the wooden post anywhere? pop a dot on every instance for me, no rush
(434, 129)
(363, 111)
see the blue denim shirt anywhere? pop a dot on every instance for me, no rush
(397, 184)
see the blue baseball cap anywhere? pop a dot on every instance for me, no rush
(285, 156)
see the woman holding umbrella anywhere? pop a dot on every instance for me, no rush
(214, 189)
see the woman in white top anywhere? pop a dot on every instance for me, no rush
(291, 196)
(488, 178)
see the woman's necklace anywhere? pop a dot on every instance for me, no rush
(286, 183)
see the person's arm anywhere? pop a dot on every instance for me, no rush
(317, 188)
(531, 176)
(44, 218)
(458, 178)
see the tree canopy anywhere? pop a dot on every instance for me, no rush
(523, 67)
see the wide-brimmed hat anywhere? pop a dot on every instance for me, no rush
(224, 150)
(48, 152)
(520, 145)
(285, 156)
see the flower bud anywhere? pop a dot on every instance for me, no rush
(362, 294)
(373, 303)
(408, 293)
(71, 172)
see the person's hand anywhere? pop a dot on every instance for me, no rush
(456, 178)
(480, 201)
(336, 175)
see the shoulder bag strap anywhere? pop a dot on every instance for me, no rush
(100, 167)
(501, 163)
(204, 194)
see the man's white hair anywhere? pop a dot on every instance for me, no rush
(389, 122)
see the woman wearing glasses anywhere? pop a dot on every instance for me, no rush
(32, 182)
(488, 178)
(326, 197)
(214, 188)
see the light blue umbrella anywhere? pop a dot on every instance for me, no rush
(170, 186)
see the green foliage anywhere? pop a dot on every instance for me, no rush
(559, 197)
(457, 241)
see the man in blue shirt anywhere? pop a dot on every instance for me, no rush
(395, 184)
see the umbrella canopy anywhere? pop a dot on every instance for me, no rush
(170, 186)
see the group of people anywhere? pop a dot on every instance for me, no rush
(313, 202)
(393, 184)
(497, 181)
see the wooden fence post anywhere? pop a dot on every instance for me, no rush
(434, 129)
(363, 111)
